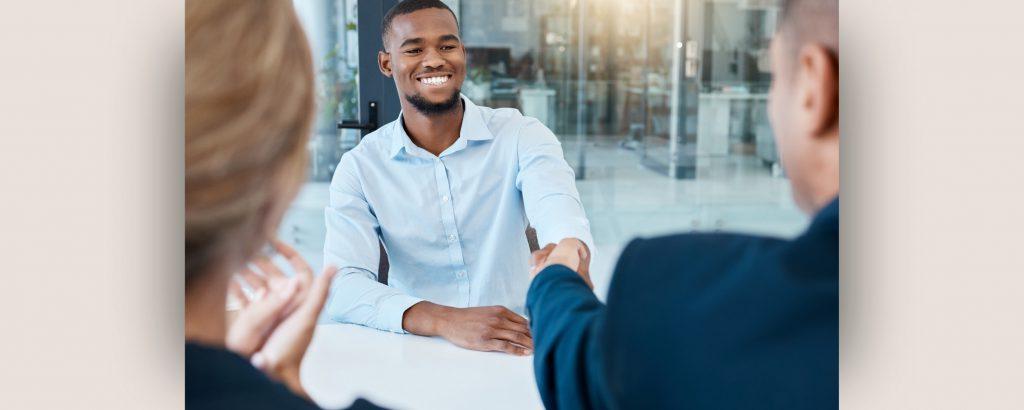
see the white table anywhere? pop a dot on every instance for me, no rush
(413, 372)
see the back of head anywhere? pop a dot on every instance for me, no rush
(810, 21)
(249, 103)
(804, 99)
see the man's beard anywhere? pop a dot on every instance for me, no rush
(433, 109)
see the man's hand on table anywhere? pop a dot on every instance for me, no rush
(487, 328)
(570, 252)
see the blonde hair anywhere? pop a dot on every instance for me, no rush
(249, 103)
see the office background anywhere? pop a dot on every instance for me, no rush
(660, 106)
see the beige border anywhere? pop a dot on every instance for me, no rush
(91, 119)
(932, 315)
(91, 216)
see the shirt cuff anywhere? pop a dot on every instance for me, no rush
(357, 298)
(393, 309)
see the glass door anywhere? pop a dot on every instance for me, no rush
(353, 99)
(668, 144)
(332, 29)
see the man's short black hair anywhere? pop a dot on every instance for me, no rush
(407, 7)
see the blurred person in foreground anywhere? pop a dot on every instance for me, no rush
(715, 320)
(248, 103)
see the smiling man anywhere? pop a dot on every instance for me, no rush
(449, 188)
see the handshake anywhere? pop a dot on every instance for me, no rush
(570, 252)
(494, 328)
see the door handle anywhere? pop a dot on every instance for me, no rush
(368, 127)
(692, 61)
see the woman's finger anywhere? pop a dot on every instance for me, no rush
(267, 267)
(266, 308)
(253, 325)
(317, 294)
(295, 259)
(236, 291)
(254, 280)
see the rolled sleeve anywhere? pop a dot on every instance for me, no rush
(351, 245)
(356, 297)
(548, 185)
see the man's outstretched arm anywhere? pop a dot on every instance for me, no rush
(567, 320)
(548, 185)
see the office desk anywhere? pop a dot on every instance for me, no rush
(412, 372)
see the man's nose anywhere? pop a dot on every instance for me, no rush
(432, 59)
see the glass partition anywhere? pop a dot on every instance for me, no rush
(331, 26)
(660, 106)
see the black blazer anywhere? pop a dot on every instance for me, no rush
(696, 321)
(219, 379)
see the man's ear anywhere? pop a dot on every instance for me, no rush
(384, 63)
(819, 88)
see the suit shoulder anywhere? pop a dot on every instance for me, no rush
(685, 249)
(726, 306)
(687, 264)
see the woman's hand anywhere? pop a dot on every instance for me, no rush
(274, 328)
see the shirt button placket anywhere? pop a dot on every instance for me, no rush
(448, 220)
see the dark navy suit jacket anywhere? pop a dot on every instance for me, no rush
(696, 321)
(216, 378)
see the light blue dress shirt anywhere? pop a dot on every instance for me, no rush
(453, 225)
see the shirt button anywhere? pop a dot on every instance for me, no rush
(444, 198)
(451, 237)
(462, 273)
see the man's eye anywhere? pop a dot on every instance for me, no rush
(447, 48)
(412, 51)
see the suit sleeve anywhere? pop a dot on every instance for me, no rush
(567, 321)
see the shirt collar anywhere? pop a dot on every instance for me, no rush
(473, 129)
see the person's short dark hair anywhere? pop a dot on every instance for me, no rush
(407, 7)
(810, 21)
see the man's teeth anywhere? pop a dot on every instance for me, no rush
(434, 80)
